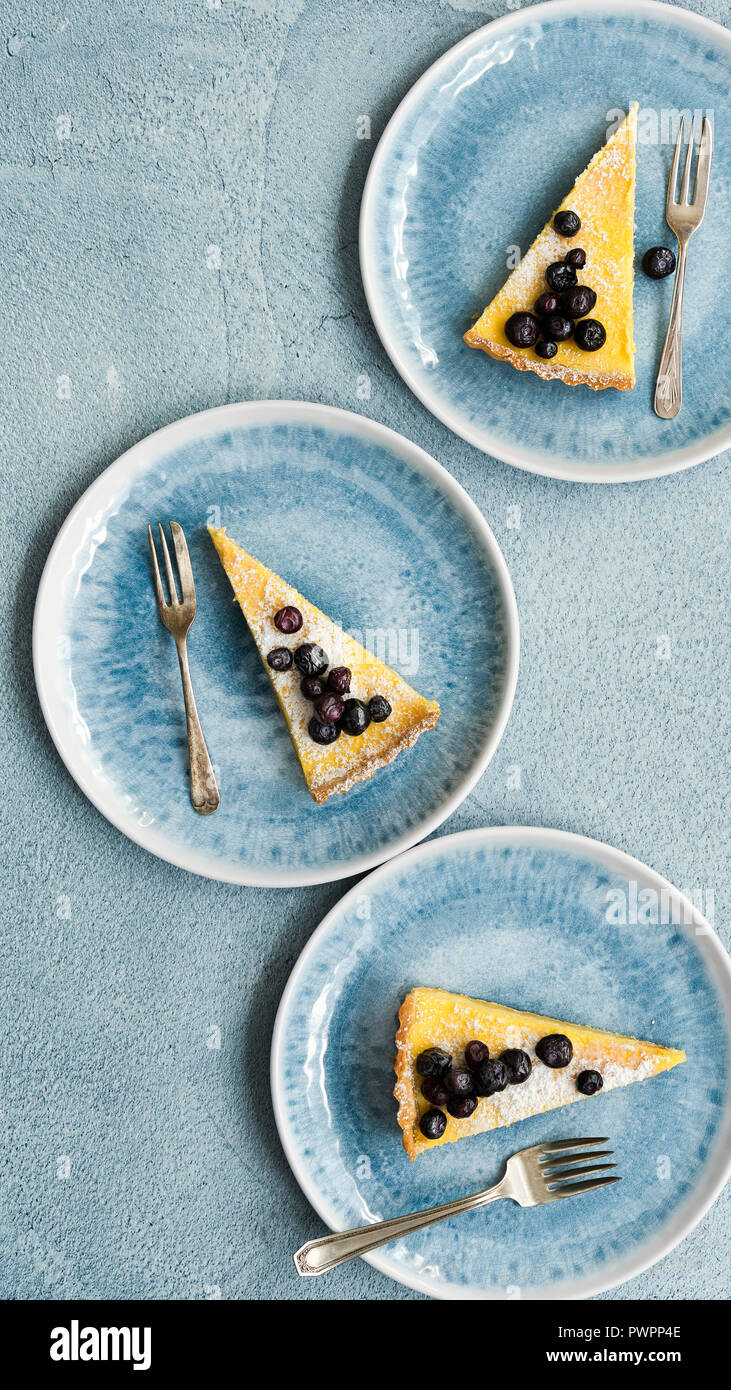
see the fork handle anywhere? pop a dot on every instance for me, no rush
(204, 792)
(669, 385)
(318, 1256)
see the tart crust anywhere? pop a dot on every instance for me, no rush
(572, 376)
(437, 1018)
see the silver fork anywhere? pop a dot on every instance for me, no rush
(683, 218)
(531, 1177)
(177, 616)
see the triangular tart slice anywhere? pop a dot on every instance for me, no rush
(603, 197)
(337, 766)
(434, 1018)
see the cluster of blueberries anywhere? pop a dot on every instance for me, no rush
(458, 1088)
(333, 713)
(562, 310)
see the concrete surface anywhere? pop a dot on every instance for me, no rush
(179, 198)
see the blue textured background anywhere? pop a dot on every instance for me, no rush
(178, 224)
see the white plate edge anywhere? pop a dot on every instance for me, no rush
(143, 454)
(541, 465)
(716, 959)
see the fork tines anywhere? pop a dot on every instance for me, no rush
(185, 571)
(703, 166)
(559, 1161)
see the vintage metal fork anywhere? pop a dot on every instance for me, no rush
(532, 1177)
(177, 616)
(683, 218)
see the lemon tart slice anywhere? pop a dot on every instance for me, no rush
(580, 1061)
(303, 642)
(603, 198)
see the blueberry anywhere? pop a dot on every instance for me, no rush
(433, 1091)
(312, 687)
(379, 708)
(310, 659)
(288, 619)
(518, 1065)
(474, 1053)
(578, 302)
(561, 276)
(576, 257)
(590, 334)
(567, 223)
(279, 658)
(329, 708)
(658, 262)
(355, 717)
(339, 679)
(589, 1082)
(522, 330)
(556, 328)
(323, 733)
(433, 1062)
(547, 304)
(491, 1076)
(546, 348)
(462, 1106)
(555, 1050)
(433, 1124)
(459, 1081)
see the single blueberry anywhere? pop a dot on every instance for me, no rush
(590, 334)
(329, 708)
(459, 1081)
(338, 679)
(589, 1082)
(547, 303)
(310, 659)
(288, 619)
(433, 1124)
(433, 1062)
(279, 658)
(476, 1052)
(378, 708)
(491, 1076)
(434, 1091)
(522, 330)
(555, 1050)
(462, 1106)
(658, 262)
(312, 687)
(518, 1065)
(561, 276)
(556, 328)
(567, 223)
(323, 733)
(355, 717)
(578, 302)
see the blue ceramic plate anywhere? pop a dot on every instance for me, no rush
(473, 163)
(531, 918)
(373, 531)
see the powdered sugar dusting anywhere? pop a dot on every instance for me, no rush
(619, 1060)
(335, 766)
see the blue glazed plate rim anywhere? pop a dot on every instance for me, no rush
(49, 606)
(715, 958)
(629, 470)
